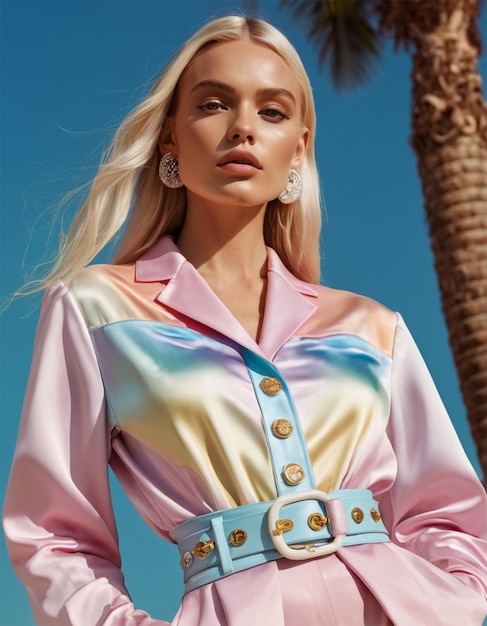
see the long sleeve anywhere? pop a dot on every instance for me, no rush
(437, 505)
(58, 518)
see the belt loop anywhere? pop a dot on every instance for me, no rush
(336, 513)
(222, 545)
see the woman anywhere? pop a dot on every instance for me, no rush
(285, 435)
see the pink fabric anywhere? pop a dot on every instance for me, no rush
(59, 521)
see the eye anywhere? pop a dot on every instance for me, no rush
(212, 105)
(274, 114)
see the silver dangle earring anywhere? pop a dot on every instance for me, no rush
(293, 189)
(169, 171)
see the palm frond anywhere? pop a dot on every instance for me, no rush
(345, 34)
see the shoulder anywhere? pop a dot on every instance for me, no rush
(348, 303)
(100, 277)
(105, 293)
(344, 312)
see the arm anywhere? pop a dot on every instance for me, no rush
(58, 517)
(437, 506)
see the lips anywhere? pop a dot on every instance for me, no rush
(240, 157)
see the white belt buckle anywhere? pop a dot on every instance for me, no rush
(277, 527)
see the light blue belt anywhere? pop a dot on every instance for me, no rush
(301, 526)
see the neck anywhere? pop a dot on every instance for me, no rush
(225, 243)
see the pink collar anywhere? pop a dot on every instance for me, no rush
(288, 303)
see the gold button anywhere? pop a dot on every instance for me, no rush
(270, 386)
(282, 428)
(375, 515)
(357, 515)
(238, 537)
(293, 473)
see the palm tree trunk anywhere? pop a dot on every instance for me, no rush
(450, 141)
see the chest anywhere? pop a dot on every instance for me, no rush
(171, 386)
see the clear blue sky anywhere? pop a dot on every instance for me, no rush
(70, 71)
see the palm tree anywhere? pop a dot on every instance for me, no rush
(449, 137)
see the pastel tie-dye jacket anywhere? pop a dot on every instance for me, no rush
(140, 366)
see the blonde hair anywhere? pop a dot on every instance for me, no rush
(127, 181)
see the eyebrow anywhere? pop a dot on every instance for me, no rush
(266, 91)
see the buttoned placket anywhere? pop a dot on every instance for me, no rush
(289, 454)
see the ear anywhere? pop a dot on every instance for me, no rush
(167, 141)
(301, 148)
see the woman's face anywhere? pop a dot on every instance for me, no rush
(237, 129)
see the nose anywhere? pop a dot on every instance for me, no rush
(242, 127)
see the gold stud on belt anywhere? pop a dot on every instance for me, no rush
(316, 521)
(375, 515)
(283, 526)
(202, 548)
(238, 537)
